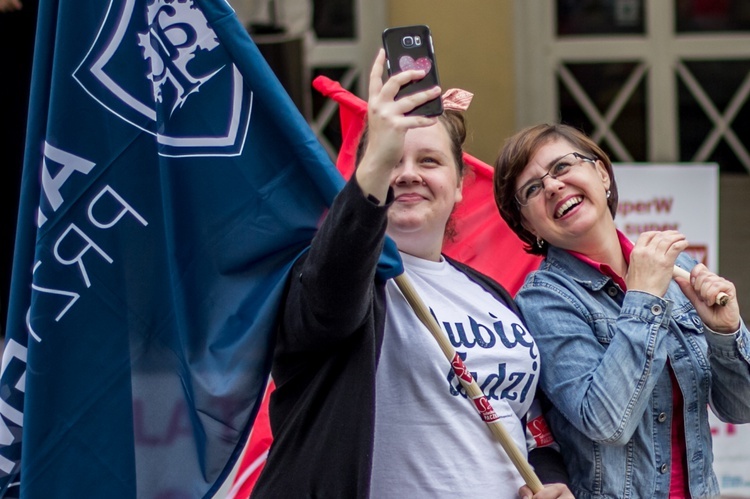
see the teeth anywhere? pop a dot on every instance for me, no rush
(567, 205)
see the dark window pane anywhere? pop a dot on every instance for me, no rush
(600, 17)
(720, 81)
(712, 15)
(334, 18)
(602, 83)
(285, 56)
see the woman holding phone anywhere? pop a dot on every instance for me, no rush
(366, 404)
(632, 359)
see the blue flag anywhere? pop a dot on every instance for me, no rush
(169, 184)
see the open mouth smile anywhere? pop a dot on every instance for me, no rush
(568, 205)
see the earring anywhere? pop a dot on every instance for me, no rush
(539, 242)
(609, 193)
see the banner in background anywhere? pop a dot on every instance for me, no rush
(685, 197)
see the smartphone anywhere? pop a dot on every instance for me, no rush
(410, 47)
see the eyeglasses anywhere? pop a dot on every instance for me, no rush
(558, 169)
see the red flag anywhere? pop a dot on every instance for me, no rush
(256, 451)
(483, 241)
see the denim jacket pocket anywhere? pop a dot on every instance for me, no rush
(691, 328)
(604, 328)
(688, 320)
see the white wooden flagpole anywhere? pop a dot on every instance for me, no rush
(722, 298)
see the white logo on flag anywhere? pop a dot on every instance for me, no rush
(176, 31)
(148, 63)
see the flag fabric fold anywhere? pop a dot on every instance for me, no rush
(169, 184)
(483, 241)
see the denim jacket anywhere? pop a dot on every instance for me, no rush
(604, 367)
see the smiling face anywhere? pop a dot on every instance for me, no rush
(426, 187)
(569, 210)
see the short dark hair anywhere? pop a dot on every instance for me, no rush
(516, 154)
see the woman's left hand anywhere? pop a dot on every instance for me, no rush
(550, 491)
(702, 290)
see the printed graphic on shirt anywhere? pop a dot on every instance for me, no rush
(510, 339)
(491, 343)
(540, 431)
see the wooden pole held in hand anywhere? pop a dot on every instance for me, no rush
(722, 298)
(470, 385)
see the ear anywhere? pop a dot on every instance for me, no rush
(526, 225)
(460, 190)
(603, 174)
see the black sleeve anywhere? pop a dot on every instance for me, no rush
(548, 465)
(330, 288)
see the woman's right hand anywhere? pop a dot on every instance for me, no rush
(702, 289)
(652, 261)
(387, 125)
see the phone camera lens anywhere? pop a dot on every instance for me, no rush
(407, 41)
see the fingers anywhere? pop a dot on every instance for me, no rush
(406, 103)
(6, 6)
(10, 5)
(668, 242)
(652, 261)
(550, 491)
(710, 286)
(376, 73)
(704, 284)
(382, 100)
(703, 288)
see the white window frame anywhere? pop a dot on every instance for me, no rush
(357, 53)
(659, 56)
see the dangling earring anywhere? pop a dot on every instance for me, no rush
(539, 242)
(609, 193)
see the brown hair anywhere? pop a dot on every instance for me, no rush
(516, 154)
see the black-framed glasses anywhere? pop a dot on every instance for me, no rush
(558, 169)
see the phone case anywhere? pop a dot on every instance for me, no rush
(410, 47)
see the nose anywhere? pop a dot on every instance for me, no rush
(407, 173)
(552, 184)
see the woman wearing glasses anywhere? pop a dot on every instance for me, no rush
(631, 358)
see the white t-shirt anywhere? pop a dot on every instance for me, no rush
(429, 439)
